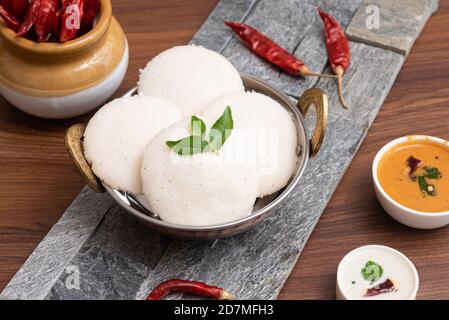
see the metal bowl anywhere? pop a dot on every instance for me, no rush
(136, 204)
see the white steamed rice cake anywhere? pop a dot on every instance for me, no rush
(190, 77)
(197, 190)
(266, 134)
(116, 136)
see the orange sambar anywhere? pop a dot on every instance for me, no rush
(393, 174)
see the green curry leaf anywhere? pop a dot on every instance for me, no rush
(197, 142)
(372, 271)
(188, 146)
(432, 173)
(198, 126)
(425, 187)
(221, 130)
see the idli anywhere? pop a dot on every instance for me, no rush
(116, 136)
(196, 190)
(265, 135)
(190, 77)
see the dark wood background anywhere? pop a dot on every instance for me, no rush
(38, 181)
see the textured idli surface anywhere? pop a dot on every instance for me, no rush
(116, 136)
(190, 77)
(198, 190)
(265, 135)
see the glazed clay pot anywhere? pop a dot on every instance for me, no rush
(63, 80)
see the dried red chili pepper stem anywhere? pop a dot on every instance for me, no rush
(195, 287)
(307, 72)
(338, 50)
(266, 48)
(339, 71)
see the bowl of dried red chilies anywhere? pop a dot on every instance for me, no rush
(60, 58)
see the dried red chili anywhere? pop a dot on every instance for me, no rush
(413, 164)
(271, 51)
(51, 20)
(187, 286)
(16, 8)
(90, 12)
(338, 50)
(10, 21)
(30, 18)
(46, 19)
(384, 287)
(57, 24)
(71, 18)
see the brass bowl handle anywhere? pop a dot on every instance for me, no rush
(73, 142)
(318, 98)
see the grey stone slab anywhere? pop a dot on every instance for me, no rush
(341, 10)
(366, 84)
(113, 263)
(212, 34)
(399, 25)
(124, 236)
(49, 260)
(181, 261)
(102, 276)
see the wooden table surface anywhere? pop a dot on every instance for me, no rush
(38, 181)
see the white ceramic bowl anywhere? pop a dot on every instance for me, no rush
(402, 214)
(342, 295)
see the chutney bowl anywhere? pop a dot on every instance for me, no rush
(405, 215)
(64, 80)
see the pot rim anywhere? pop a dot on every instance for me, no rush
(304, 158)
(68, 48)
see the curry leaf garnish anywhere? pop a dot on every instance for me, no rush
(372, 271)
(426, 173)
(198, 143)
(221, 130)
(432, 173)
(188, 146)
(425, 187)
(422, 183)
(198, 126)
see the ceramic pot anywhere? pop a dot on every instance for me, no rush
(63, 80)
